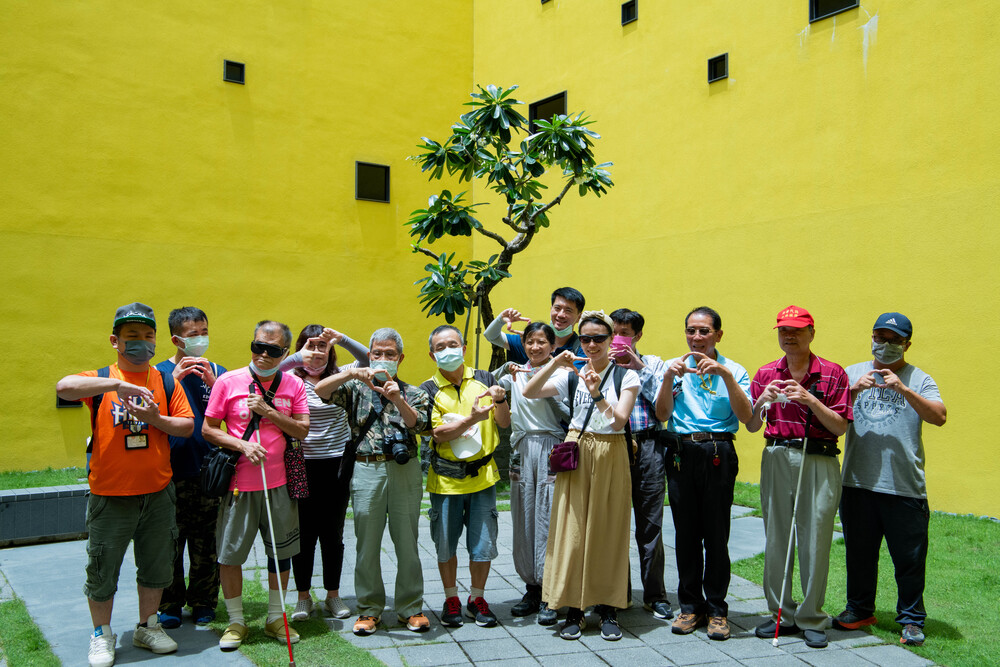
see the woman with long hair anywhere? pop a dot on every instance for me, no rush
(322, 514)
(586, 557)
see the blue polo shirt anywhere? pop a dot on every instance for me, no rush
(697, 409)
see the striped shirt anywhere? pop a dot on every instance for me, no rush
(328, 429)
(643, 415)
(788, 420)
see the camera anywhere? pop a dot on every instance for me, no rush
(397, 445)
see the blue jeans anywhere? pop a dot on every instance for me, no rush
(476, 512)
(867, 517)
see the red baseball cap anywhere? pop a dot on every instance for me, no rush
(796, 317)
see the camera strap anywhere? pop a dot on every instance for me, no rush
(351, 449)
(268, 396)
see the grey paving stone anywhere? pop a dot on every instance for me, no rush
(539, 645)
(827, 657)
(587, 659)
(495, 649)
(891, 656)
(516, 662)
(379, 639)
(592, 639)
(773, 661)
(389, 656)
(853, 638)
(692, 653)
(434, 655)
(755, 647)
(656, 635)
(400, 636)
(630, 657)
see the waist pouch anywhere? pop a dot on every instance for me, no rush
(458, 469)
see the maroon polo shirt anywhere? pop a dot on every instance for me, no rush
(788, 420)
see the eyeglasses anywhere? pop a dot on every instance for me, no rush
(272, 351)
(894, 341)
(586, 340)
(703, 331)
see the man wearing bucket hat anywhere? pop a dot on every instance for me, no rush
(807, 404)
(134, 408)
(884, 492)
(467, 405)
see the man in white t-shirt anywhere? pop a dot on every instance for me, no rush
(884, 493)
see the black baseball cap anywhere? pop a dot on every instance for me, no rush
(135, 312)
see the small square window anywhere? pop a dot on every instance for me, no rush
(820, 9)
(718, 67)
(371, 181)
(546, 109)
(630, 11)
(233, 72)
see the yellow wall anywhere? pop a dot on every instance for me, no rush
(130, 171)
(807, 177)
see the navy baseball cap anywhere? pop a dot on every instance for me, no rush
(135, 312)
(896, 322)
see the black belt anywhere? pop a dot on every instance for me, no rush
(815, 445)
(703, 437)
(645, 434)
(380, 458)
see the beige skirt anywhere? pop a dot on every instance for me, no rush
(586, 558)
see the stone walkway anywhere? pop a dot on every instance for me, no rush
(49, 579)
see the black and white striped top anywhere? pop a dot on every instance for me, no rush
(328, 428)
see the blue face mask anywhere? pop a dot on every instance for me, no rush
(450, 358)
(389, 367)
(194, 346)
(263, 374)
(138, 352)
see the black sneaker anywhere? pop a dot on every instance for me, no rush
(815, 638)
(529, 604)
(479, 610)
(574, 625)
(547, 616)
(848, 620)
(452, 614)
(660, 608)
(610, 629)
(766, 630)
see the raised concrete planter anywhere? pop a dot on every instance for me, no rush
(44, 514)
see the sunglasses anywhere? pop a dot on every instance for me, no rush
(691, 331)
(594, 339)
(272, 351)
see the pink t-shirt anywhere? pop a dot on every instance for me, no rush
(229, 403)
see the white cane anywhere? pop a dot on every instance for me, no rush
(274, 549)
(791, 529)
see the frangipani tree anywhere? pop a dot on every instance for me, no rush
(493, 143)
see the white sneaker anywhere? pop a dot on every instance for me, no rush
(303, 609)
(102, 648)
(337, 608)
(153, 637)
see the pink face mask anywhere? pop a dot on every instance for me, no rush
(314, 371)
(618, 346)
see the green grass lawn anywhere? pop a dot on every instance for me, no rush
(319, 645)
(21, 642)
(36, 478)
(961, 594)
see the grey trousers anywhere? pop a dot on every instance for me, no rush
(818, 500)
(531, 488)
(381, 491)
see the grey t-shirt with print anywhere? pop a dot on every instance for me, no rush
(884, 450)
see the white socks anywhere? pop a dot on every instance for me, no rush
(235, 608)
(451, 592)
(275, 605)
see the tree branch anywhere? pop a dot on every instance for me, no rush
(552, 203)
(427, 252)
(493, 235)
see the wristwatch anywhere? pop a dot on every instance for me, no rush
(501, 401)
(598, 398)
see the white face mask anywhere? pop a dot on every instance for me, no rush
(194, 346)
(887, 353)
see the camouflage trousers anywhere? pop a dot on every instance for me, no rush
(196, 517)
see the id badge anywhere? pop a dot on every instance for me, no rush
(137, 441)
